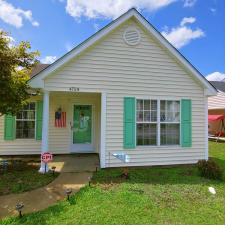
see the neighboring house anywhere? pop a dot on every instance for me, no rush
(124, 93)
(216, 106)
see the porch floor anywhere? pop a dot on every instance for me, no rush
(75, 163)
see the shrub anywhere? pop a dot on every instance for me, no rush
(210, 169)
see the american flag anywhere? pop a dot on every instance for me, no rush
(60, 119)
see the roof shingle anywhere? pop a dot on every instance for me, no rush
(38, 68)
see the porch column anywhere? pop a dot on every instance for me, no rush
(103, 130)
(45, 125)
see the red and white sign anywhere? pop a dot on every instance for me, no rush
(46, 157)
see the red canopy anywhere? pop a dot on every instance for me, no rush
(215, 117)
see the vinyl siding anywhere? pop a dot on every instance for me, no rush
(217, 102)
(145, 70)
(60, 139)
(18, 146)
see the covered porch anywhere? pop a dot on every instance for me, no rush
(73, 122)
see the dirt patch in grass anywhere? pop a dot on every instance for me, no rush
(19, 176)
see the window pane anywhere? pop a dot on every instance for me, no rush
(146, 134)
(25, 129)
(169, 111)
(170, 134)
(32, 106)
(146, 116)
(153, 116)
(139, 104)
(163, 105)
(139, 116)
(146, 104)
(25, 122)
(153, 104)
(31, 115)
(139, 134)
(162, 116)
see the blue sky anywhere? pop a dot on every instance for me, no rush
(195, 27)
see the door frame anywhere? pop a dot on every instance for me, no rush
(83, 148)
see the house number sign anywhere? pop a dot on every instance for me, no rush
(74, 89)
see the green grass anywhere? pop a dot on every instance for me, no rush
(23, 178)
(176, 195)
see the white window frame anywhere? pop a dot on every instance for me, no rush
(158, 122)
(179, 122)
(28, 120)
(143, 122)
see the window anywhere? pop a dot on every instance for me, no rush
(25, 122)
(147, 122)
(169, 122)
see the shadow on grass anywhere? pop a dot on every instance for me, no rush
(41, 217)
(187, 174)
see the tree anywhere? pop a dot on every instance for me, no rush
(16, 63)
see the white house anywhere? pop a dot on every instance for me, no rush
(124, 93)
(216, 106)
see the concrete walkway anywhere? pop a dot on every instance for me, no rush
(75, 172)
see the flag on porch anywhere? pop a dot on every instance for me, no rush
(60, 119)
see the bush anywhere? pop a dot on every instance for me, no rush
(210, 169)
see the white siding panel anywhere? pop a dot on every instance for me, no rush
(18, 146)
(145, 70)
(60, 139)
(217, 102)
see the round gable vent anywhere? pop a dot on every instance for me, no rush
(131, 36)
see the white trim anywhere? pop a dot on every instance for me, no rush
(35, 123)
(45, 129)
(38, 81)
(158, 122)
(103, 130)
(206, 130)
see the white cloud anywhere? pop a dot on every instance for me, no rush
(48, 59)
(35, 24)
(182, 35)
(187, 20)
(189, 3)
(110, 8)
(15, 16)
(216, 76)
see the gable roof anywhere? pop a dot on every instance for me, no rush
(219, 85)
(38, 68)
(37, 80)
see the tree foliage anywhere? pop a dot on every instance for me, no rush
(16, 63)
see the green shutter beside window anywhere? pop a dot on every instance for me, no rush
(39, 109)
(129, 122)
(186, 123)
(10, 131)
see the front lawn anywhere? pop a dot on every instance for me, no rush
(175, 195)
(22, 176)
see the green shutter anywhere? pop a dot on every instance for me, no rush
(39, 110)
(186, 123)
(129, 122)
(10, 129)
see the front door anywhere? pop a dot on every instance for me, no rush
(82, 128)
